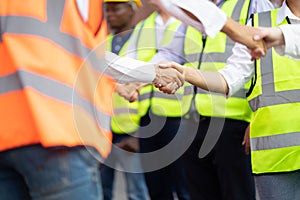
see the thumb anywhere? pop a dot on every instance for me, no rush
(261, 34)
(173, 65)
(163, 65)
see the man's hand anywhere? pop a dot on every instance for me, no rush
(244, 35)
(246, 140)
(130, 91)
(168, 78)
(172, 87)
(272, 36)
(130, 144)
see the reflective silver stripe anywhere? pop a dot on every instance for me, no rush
(119, 111)
(284, 97)
(188, 90)
(222, 56)
(10, 83)
(52, 89)
(193, 57)
(157, 94)
(145, 96)
(239, 94)
(275, 141)
(267, 73)
(55, 10)
(269, 96)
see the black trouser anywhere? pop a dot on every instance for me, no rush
(225, 172)
(163, 182)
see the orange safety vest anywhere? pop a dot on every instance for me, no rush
(48, 94)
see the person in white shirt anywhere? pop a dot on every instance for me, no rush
(239, 70)
(210, 172)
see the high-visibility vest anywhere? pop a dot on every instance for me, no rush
(275, 101)
(146, 47)
(215, 54)
(48, 94)
(125, 118)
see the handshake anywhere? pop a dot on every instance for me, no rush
(168, 78)
(171, 76)
(257, 40)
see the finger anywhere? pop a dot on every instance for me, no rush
(179, 79)
(157, 85)
(172, 87)
(165, 89)
(163, 65)
(133, 96)
(177, 66)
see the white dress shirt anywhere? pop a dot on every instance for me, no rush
(240, 68)
(291, 35)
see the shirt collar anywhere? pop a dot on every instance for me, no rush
(284, 12)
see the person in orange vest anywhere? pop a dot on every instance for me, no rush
(55, 98)
(49, 135)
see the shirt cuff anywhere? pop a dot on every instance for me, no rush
(233, 85)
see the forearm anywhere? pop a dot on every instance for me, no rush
(245, 35)
(207, 80)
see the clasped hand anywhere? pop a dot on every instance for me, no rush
(168, 79)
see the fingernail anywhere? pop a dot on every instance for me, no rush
(256, 37)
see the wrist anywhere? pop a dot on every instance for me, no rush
(232, 30)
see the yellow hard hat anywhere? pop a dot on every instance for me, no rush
(137, 2)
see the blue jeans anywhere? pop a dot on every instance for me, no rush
(278, 186)
(57, 173)
(135, 182)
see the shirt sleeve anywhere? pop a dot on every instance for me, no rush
(125, 69)
(173, 51)
(211, 18)
(291, 34)
(239, 69)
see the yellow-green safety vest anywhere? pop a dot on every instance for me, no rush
(275, 101)
(125, 118)
(146, 47)
(214, 56)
